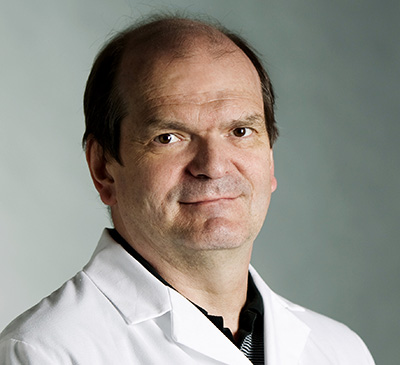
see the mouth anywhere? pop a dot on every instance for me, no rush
(210, 201)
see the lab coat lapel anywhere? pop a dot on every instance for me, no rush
(285, 335)
(190, 328)
(135, 292)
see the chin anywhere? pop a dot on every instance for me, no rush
(217, 235)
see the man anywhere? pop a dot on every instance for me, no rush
(179, 134)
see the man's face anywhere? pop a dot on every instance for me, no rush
(197, 167)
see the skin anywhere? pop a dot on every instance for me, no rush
(197, 171)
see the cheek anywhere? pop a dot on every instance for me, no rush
(262, 183)
(257, 168)
(150, 183)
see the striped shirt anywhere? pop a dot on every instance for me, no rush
(250, 337)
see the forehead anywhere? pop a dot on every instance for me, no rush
(199, 76)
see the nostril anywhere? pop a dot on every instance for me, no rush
(202, 176)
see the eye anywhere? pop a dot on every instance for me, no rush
(242, 132)
(166, 138)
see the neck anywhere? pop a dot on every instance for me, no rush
(215, 280)
(219, 293)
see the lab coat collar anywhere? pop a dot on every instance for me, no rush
(143, 298)
(285, 335)
(112, 270)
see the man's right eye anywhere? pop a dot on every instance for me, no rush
(166, 138)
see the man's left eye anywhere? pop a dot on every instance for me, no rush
(242, 132)
(166, 138)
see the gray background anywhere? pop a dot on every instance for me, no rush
(331, 237)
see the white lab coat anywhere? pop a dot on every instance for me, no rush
(115, 312)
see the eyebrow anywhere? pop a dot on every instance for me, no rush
(154, 124)
(252, 120)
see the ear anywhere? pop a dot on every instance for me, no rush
(273, 181)
(98, 166)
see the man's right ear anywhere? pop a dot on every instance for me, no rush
(98, 166)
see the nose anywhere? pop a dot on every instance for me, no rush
(211, 159)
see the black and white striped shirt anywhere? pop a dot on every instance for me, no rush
(250, 337)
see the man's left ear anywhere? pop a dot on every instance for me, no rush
(273, 181)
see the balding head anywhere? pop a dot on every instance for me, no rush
(132, 53)
(176, 36)
(164, 41)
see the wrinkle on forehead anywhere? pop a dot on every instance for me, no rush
(200, 79)
(199, 99)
